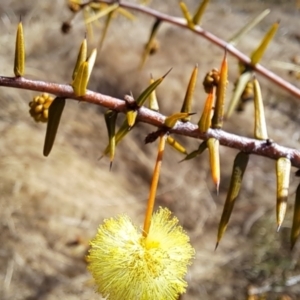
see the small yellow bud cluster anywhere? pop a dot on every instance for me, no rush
(211, 79)
(39, 107)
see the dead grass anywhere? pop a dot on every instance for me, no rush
(50, 207)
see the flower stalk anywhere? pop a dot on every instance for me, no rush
(153, 186)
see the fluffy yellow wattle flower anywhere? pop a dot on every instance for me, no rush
(128, 266)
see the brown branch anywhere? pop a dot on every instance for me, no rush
(181, 22)
(258, 147)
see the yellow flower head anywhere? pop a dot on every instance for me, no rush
(127, 265)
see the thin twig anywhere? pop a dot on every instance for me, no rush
(263, 148)
(181, 22)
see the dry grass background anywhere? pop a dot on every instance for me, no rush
(50, 207)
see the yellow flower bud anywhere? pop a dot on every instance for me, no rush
(39, 107)
(45, 114)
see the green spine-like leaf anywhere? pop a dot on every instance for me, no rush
(121, 133)
(83, 74)
(205, 120)
(80, 58)
(283, 169)
(19, 65)
(110, 121)
(81, 80)
(151, 39)
(260, 50)
(147, 92)
(240, 87)
(238, 170)
(186, 14)
(171, 120)
(295, 232)
(260, 126)
(105, 29)
(217, 120)
(214, 158)
(176, 145)
(91, 62)
(131, 117)
(188, 99)
(245, 29)
(103, 12)
(153, 103)
(200, 11)
(55, 111)
(202, 147)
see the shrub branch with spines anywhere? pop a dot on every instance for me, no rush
(198, 30)
(266, 148)
(177, 123)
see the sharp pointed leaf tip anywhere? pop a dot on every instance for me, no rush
(217, 244)
(81, 57)
(217, 188)
(164, 76)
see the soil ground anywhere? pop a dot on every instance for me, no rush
(50, 207)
